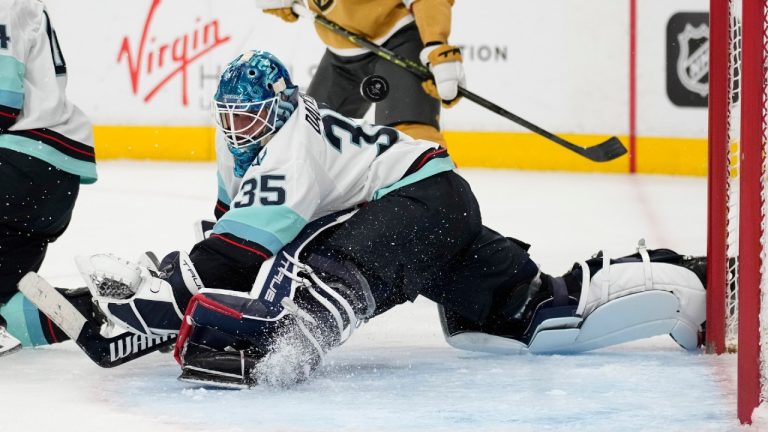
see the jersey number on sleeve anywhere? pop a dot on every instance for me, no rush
(355, 134)
(58, 58)
(270, 193)
(4, 38)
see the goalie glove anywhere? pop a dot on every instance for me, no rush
(445, 63)
(140, 298)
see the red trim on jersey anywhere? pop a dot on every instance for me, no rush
(249, 249)
(222, 208)
(8, 115)
(34, 132)
(429, 156)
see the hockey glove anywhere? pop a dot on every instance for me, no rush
(278, 8)
(445, 63)
(286, 14)
(139, 297)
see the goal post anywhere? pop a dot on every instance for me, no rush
(737, 178)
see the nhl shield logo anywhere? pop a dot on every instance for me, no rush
(693, 58)
(323, 5)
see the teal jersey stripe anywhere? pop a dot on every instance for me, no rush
(11, 74)
(223, 196)
(11, 99)
(23, 321)
(86, 170)
(272, 226)
(429, 169)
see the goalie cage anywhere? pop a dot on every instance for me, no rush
(736, 249)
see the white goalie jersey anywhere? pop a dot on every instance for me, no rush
(318, 163)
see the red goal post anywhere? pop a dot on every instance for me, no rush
(736, 216)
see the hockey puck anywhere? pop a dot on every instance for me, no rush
(374, 88)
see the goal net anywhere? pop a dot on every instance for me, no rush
(737, 273)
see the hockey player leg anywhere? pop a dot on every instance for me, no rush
(302, 305)
(22, 323)
(279, 335)
(647, 294)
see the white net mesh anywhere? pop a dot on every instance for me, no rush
(734, 130)
(744, 191)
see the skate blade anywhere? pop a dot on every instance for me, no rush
(214, 381)
(5, 351)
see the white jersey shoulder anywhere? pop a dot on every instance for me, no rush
(321, 162)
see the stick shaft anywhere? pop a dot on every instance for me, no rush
(610, 149)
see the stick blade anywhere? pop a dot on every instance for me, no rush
(605, 151)
(52, 304)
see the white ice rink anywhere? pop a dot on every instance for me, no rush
(396, 373)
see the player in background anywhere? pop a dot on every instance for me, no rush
(414, 29)
(46, 152)
(288, 272)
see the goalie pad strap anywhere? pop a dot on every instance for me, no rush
(647, 270)
(585, 287)
(559, 292)
(606, 285)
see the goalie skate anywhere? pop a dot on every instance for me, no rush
(203, 378)
(217, 369)
(8, 343)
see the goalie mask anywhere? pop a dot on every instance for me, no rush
(255, 97)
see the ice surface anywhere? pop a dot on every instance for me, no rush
(396, 373)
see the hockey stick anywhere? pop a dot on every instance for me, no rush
(107, 352)
(603, 152)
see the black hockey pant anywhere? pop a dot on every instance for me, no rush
(337, 84)
(427, 238)
(36, 202)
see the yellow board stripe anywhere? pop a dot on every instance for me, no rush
(528, 151)
(170, 143)
(684, 156)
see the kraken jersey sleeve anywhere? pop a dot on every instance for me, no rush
(318, 163)
(34, 108)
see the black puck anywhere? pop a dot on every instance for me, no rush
(374, 88)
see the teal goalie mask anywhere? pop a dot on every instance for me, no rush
(254, 99)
